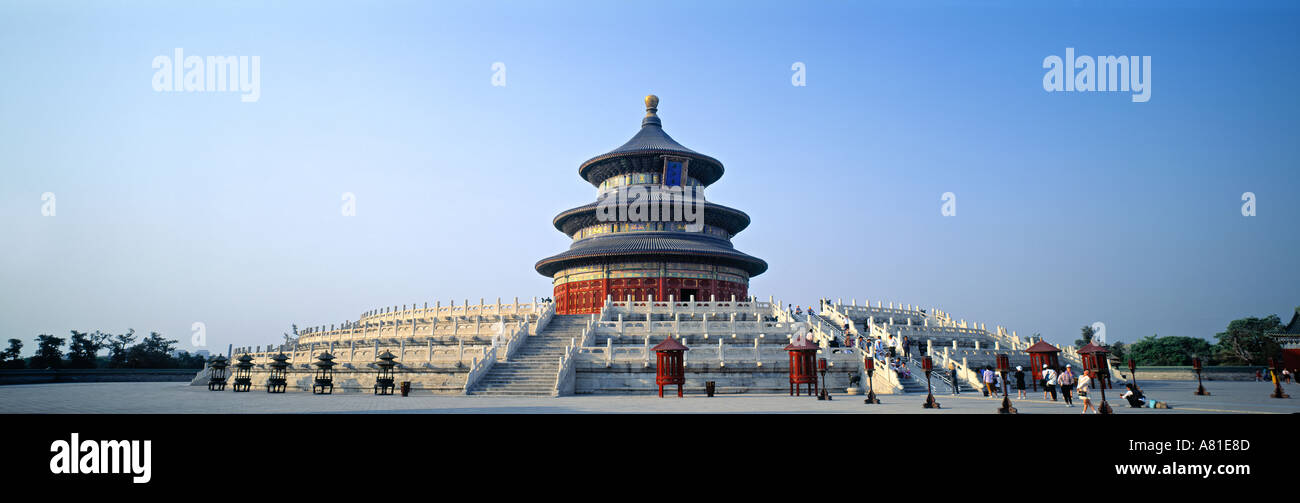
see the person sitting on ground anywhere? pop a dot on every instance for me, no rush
(1137, 399)
(1133, 395)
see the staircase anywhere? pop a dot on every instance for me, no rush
(534, 368)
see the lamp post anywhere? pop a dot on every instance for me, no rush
(821, 386)
(1004, 364)
(243, 374)
(1104, 408)
(870, 364)
(1132, 372)
(928, 365)
(1196, 365)
(217, 381)
(1276, 367)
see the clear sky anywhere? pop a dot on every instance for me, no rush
(1072, 208)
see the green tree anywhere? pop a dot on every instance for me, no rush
(117, 348)
(1246, 341)
(11, 358)
(1087, 337)
(186, 360)
(1156, 350)
(48, 354)
(84, 347)
(1118, 351)
(153, 352)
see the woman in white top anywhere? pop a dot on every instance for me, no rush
(1085, 383)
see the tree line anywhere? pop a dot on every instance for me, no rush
(123, 352)
(1245, 342)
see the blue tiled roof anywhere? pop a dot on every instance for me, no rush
(650, 139)
(652, 243)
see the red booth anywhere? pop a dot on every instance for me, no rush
(803, 365)
(1042, 353)
(1094, 357)
(671, 365)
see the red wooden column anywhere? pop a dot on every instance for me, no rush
(803, 365)
(670, 366)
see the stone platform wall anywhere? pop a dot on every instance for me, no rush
(1215, 373)
(95, 375)
(593, 376)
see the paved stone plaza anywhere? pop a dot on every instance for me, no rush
(1228, 397)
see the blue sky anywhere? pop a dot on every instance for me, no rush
(1072, 208)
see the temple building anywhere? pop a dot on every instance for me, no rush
(649, 255)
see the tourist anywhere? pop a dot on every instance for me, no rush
(1020, 382)
(997, 383)
(907, 346)
(1259, 375)
(1137, 399)
(1085, 382)
(1133, 395)
(987, 378)
(952, 369)
(1066, 380)
(1286, 375)
(1049, 382)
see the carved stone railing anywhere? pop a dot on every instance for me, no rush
(564, 378)
(480, 368)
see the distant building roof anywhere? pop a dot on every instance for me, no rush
(1043, 347)
(670, 344)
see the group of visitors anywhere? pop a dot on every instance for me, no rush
(1065, 381)
(1068, 384)
(897, 365)
(1285, 376)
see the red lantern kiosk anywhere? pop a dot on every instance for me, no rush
(803, 365)
(670, 368)
(1042, 353)
(1094, 357)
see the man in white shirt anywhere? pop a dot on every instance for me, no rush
(1049, 380)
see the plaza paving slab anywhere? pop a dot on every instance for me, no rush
(152, 398)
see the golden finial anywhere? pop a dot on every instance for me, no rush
(651, 106)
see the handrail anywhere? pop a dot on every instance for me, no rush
(479, 368)
(564, 377)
